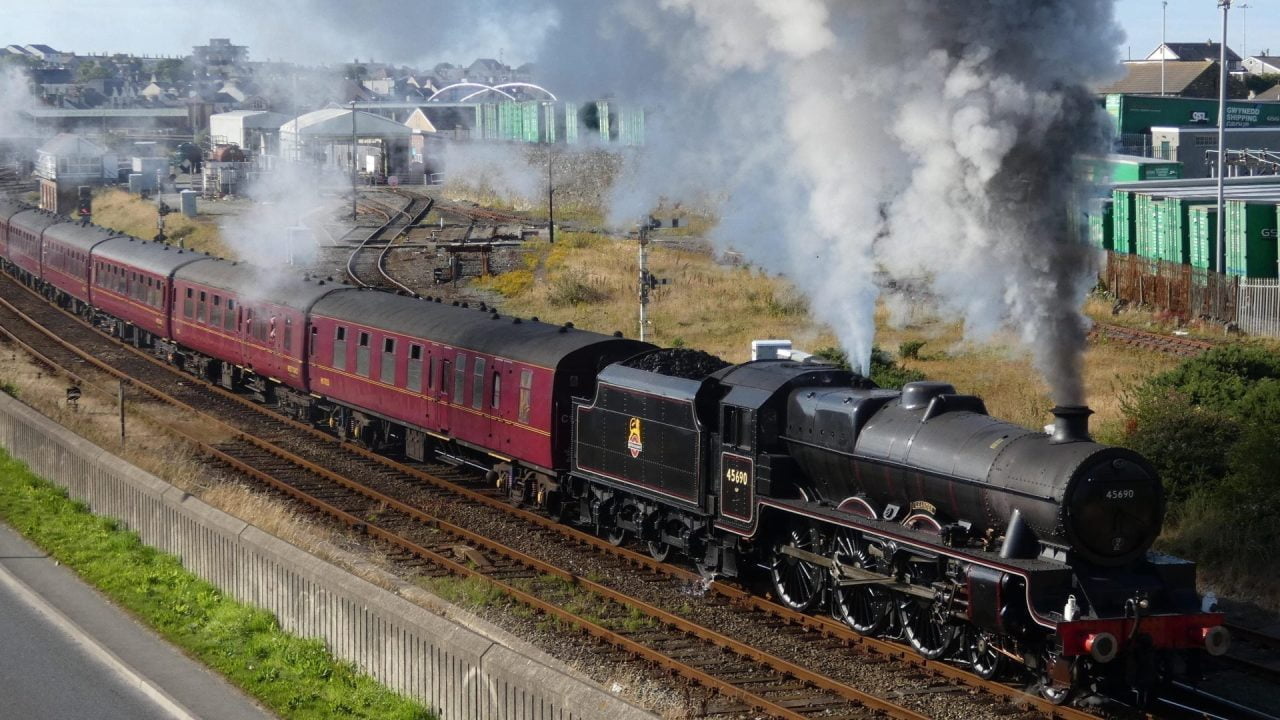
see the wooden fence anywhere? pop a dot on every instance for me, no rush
(1181, 289)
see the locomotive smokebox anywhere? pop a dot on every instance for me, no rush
(1070, 424)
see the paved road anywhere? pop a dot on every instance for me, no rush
(66, 652)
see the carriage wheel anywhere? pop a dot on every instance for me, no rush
(865, 608)
(797, 583)
(985, 660)
(659, 550)
(931, 634)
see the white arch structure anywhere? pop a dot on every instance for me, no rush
(483, 89)
(492, 88)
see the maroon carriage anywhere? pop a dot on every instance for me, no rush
(26, 228)
(8, 208)
(67, 249)
(245, 325)
(131, 283)
(494, 390)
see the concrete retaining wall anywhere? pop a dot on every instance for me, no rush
(450, 667)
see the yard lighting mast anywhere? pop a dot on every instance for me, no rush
(353, 161)
(1222, 141)
(1164, 42)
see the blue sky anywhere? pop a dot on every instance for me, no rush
(1197, 21)
(275, 28)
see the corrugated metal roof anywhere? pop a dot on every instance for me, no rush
(153, 257)
(537, 343)
(285, 288)
(336, 122)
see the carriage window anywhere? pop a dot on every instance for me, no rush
(188, 305)
(496, 397)
(215, 312)
(231, 315)
(432, 374)
(477, 385)
(389, 361)
(415, 352)
(315, 331)
(288, 334)
(340, 333)
(460, 379)
(413, 378)
(200, 308)
(444, 374)
(364, 339)
(526, 394)
(388, 345)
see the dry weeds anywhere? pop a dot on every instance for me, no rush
(115, 208)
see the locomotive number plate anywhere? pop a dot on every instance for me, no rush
(737, 492)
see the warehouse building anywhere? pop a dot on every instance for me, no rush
(257, 132)
(1197, 147)
(325, 136)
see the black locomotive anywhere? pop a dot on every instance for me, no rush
(911, 512)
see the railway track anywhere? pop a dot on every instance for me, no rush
(1168, 344)
(1254, 653)
(769, 673)
(367, 264)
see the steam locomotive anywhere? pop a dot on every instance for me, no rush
(907, 512)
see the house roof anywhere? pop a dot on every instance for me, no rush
(1143, 78)
(1270, 94)
(1196, 51)
(68, 145)
(336, 122)
(1271, 60)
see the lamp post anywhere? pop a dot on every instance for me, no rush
(1164, 42)
(353, 161)
(1244, 36)
(1222, 140)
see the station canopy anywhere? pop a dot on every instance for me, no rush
(335, 124)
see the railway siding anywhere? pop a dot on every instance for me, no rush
(451, 667)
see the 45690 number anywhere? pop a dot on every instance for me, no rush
(737, 477)
(1120, 494)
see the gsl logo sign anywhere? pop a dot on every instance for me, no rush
(1270, 234)
(1199, 116)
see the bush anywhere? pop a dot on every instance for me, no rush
(1188, 445)
(9, 388)
(569, 292)
(910, 349)
(884, 371)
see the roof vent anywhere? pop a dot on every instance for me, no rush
(515, 321)
(483, 308)
(438, 301)
(569, 325)
(494, 316)
(534, 318)
(617, 333)
(320, 283)
(563, 329)
(466, 305)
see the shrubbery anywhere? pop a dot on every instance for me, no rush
(885, 371)
(1211, 427)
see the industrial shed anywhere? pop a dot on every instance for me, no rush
(257, 132)
(382, 145)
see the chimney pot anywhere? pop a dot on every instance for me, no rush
(1070, 424)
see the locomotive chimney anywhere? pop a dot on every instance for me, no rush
(1070, 424)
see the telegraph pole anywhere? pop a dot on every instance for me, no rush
(551, 203)
(644, 277)
(1164, 42)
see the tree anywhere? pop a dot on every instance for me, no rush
(172, 70)
(89, 71)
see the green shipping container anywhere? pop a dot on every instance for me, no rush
(1122, 221)
(1175, 230)
(1102, 226)
(1202, 236)
(1251, 239)
(1146, 240)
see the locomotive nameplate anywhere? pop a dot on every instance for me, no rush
(737, 487)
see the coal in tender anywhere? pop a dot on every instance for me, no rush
(678, 362)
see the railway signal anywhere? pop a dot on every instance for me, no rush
(648, 282)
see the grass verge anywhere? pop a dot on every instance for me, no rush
(118, 209)
(294, 677)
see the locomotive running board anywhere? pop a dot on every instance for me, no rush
(848, 576)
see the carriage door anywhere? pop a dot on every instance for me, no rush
(737, 464)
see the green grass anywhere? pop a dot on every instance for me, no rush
(294, 677)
